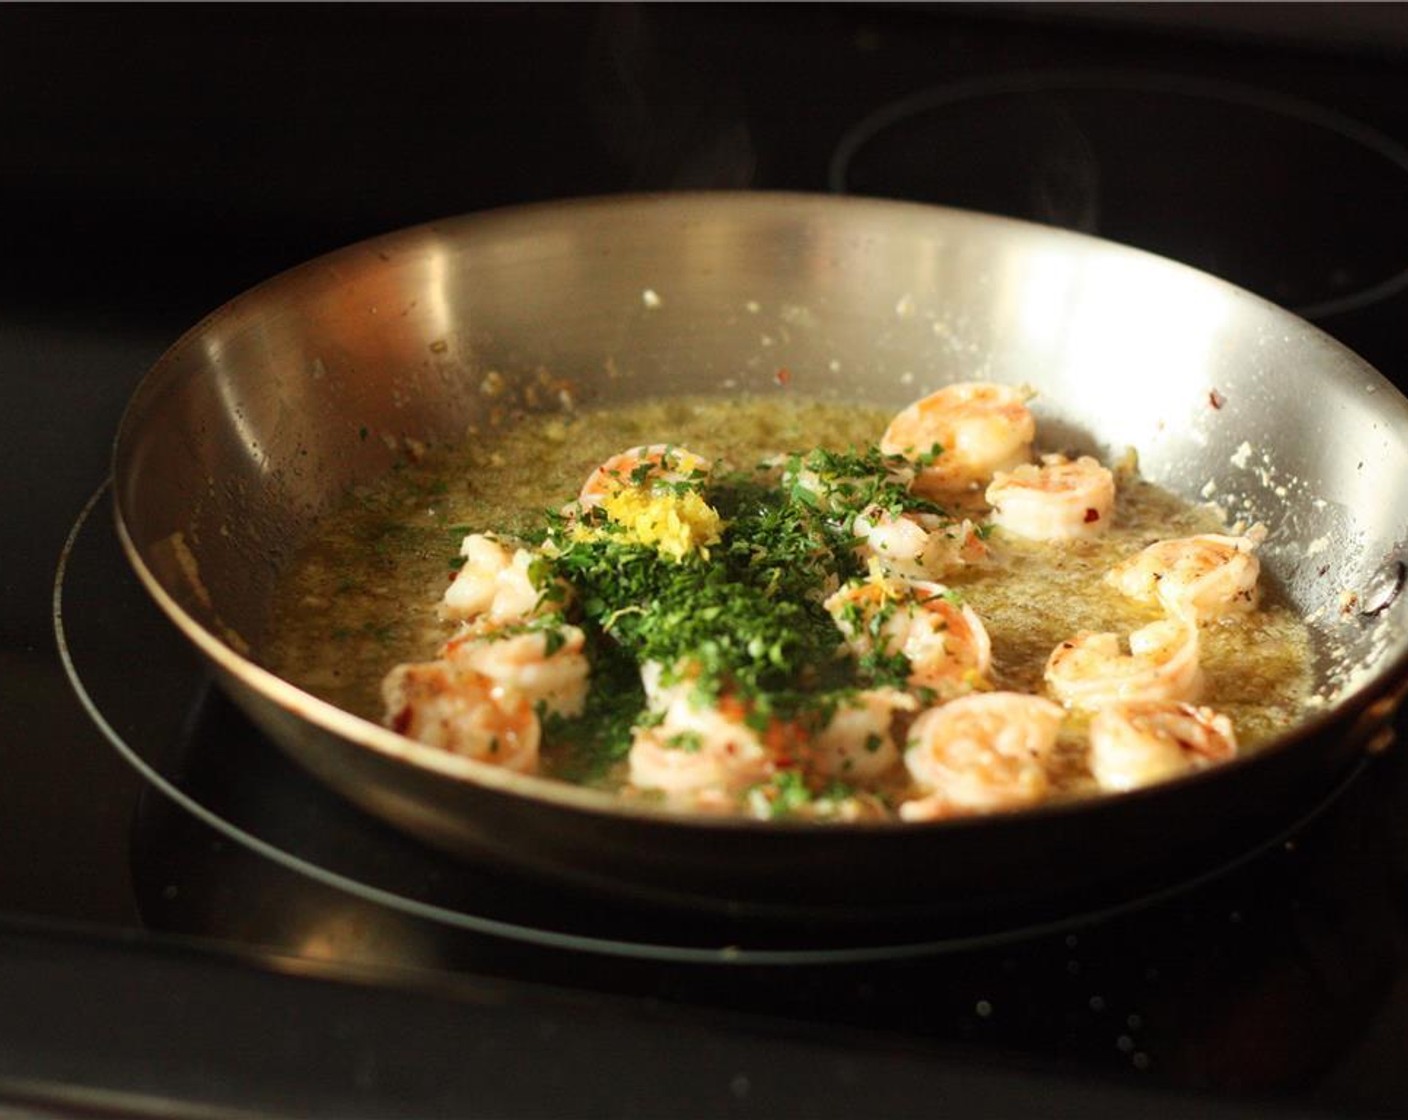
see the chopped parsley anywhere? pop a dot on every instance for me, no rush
(746, 613)
(787, 794)
(737, 611)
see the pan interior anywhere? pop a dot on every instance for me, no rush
(263, 415)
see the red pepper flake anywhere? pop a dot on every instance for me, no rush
(1216, 399)
(1092, 515)
(783, 376)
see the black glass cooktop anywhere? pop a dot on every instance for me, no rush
(171, 885)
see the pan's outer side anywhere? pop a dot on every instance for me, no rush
(260, 416)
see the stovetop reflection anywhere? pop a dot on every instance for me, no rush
(1263, 980)
(1267, 977)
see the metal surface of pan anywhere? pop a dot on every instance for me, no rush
(255, 422)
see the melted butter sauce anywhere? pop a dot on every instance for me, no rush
(361, 595)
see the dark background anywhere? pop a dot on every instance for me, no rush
(159, 158)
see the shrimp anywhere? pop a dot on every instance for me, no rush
(917, 545)
(464, 712)
(1059, 499)
(977, 427)
(701, 755)
(858, 743)
(548, 668)
(493, 582)
(1138, 744)
(654, 466)
(1199, 578)
(945, 643)
(981, 753)
(1091, 669)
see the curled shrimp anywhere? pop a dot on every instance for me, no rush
(1199, 578)
(699, 754)
(1058, 499)
(980, 753)
(464, 712)
(648, 467)
(945, 642)
(978, 428)
(917, 546)
(858, 743)
(493, 582)
(1093, 669)
(549, 669)
(1138, 744)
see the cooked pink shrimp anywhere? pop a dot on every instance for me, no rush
(700, 755)
(1092, 669)
(463, 712)
(1058, 499)
(1138, 744)
(917, 545)
(946, 644)
(978, 428)
(649, 466)
(1198, 578)
(980, 753)
(493, 582)
(858, 743)
(548, 669)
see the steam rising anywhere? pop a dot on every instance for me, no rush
(670, 126)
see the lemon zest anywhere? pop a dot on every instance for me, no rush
(673, 524)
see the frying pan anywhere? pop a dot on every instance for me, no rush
(257, 420)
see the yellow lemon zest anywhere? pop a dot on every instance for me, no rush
(585, 533)
(886, 587)
(673, 524)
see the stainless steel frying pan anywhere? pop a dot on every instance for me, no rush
(254, 423)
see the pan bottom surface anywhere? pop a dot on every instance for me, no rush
(210, 773)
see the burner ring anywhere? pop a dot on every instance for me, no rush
(1111, 152)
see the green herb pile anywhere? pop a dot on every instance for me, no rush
(746, 614)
